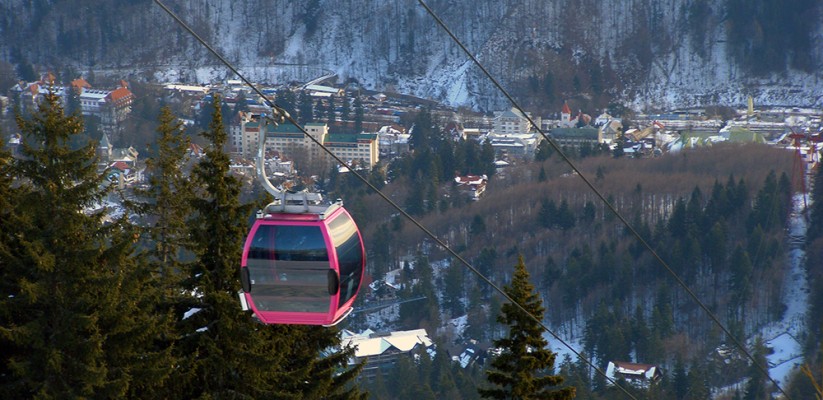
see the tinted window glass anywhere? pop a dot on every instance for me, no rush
(346, 241)
(288, 267)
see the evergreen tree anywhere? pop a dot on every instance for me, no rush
(305, 108)
(241, 105)
(422, 133)
(756, 386)
(770, 209)
(313, 368)
(449, 167)
(565, 216)
(75, 311)
(740, 282)
(228, 354)
(619, 143)
(359, 112)
(523, 369)
(73, 101)
(453, 290)
(544, 151)
(319, 110)
(680, 380)
(218, 340)
(548, 213)
(330, 112)
(487, 166)
(698, 386)
(345, 108)
(287, 100)
(589, 213)
(169, 194)
(8, 227)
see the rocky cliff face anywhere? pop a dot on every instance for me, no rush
(647, 53)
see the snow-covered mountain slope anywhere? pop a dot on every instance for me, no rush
(655, 53)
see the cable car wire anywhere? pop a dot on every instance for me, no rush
(454, 254)
(603, 199)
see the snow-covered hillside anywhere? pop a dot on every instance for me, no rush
(667, 53)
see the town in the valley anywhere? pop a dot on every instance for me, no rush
(367, 129)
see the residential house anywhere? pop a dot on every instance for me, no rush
(472, 185)
(475, 134)
(382, 350)
(640, 375)
(393, 141)
(470, 354)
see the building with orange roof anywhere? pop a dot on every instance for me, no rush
(80, 84)
(116, 106)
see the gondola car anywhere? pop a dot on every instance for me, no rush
(302, 268)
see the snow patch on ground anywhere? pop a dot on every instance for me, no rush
(784, 336)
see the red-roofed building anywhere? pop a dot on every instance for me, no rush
(474, 186)
(117, 106)
(121, 165)
(80, 84)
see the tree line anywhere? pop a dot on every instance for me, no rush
(141, 302)
(96, 306)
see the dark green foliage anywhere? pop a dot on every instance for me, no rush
(169, 193)
(759, 39)
(85, 315)
(224, 352)
(76, 321)
(359, 112)
(287, 100)
(478, 226)
(422, 135)
(305, 108)
(486, 165)
(453, 292)
(772, 204)
(548, 213)
(214, 361)
(524, 368)
(565, 216)
(741, 279)
(426, 312)
(345, 109)
(319, 110)
(756, 386)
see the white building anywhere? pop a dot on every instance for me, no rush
(288, 140)
(383, 349)
(511, 122)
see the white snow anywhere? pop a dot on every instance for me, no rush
(191, 312)
(782, 336)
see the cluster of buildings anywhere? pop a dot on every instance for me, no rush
(112, 106)
(361, 149)
(382, 350)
